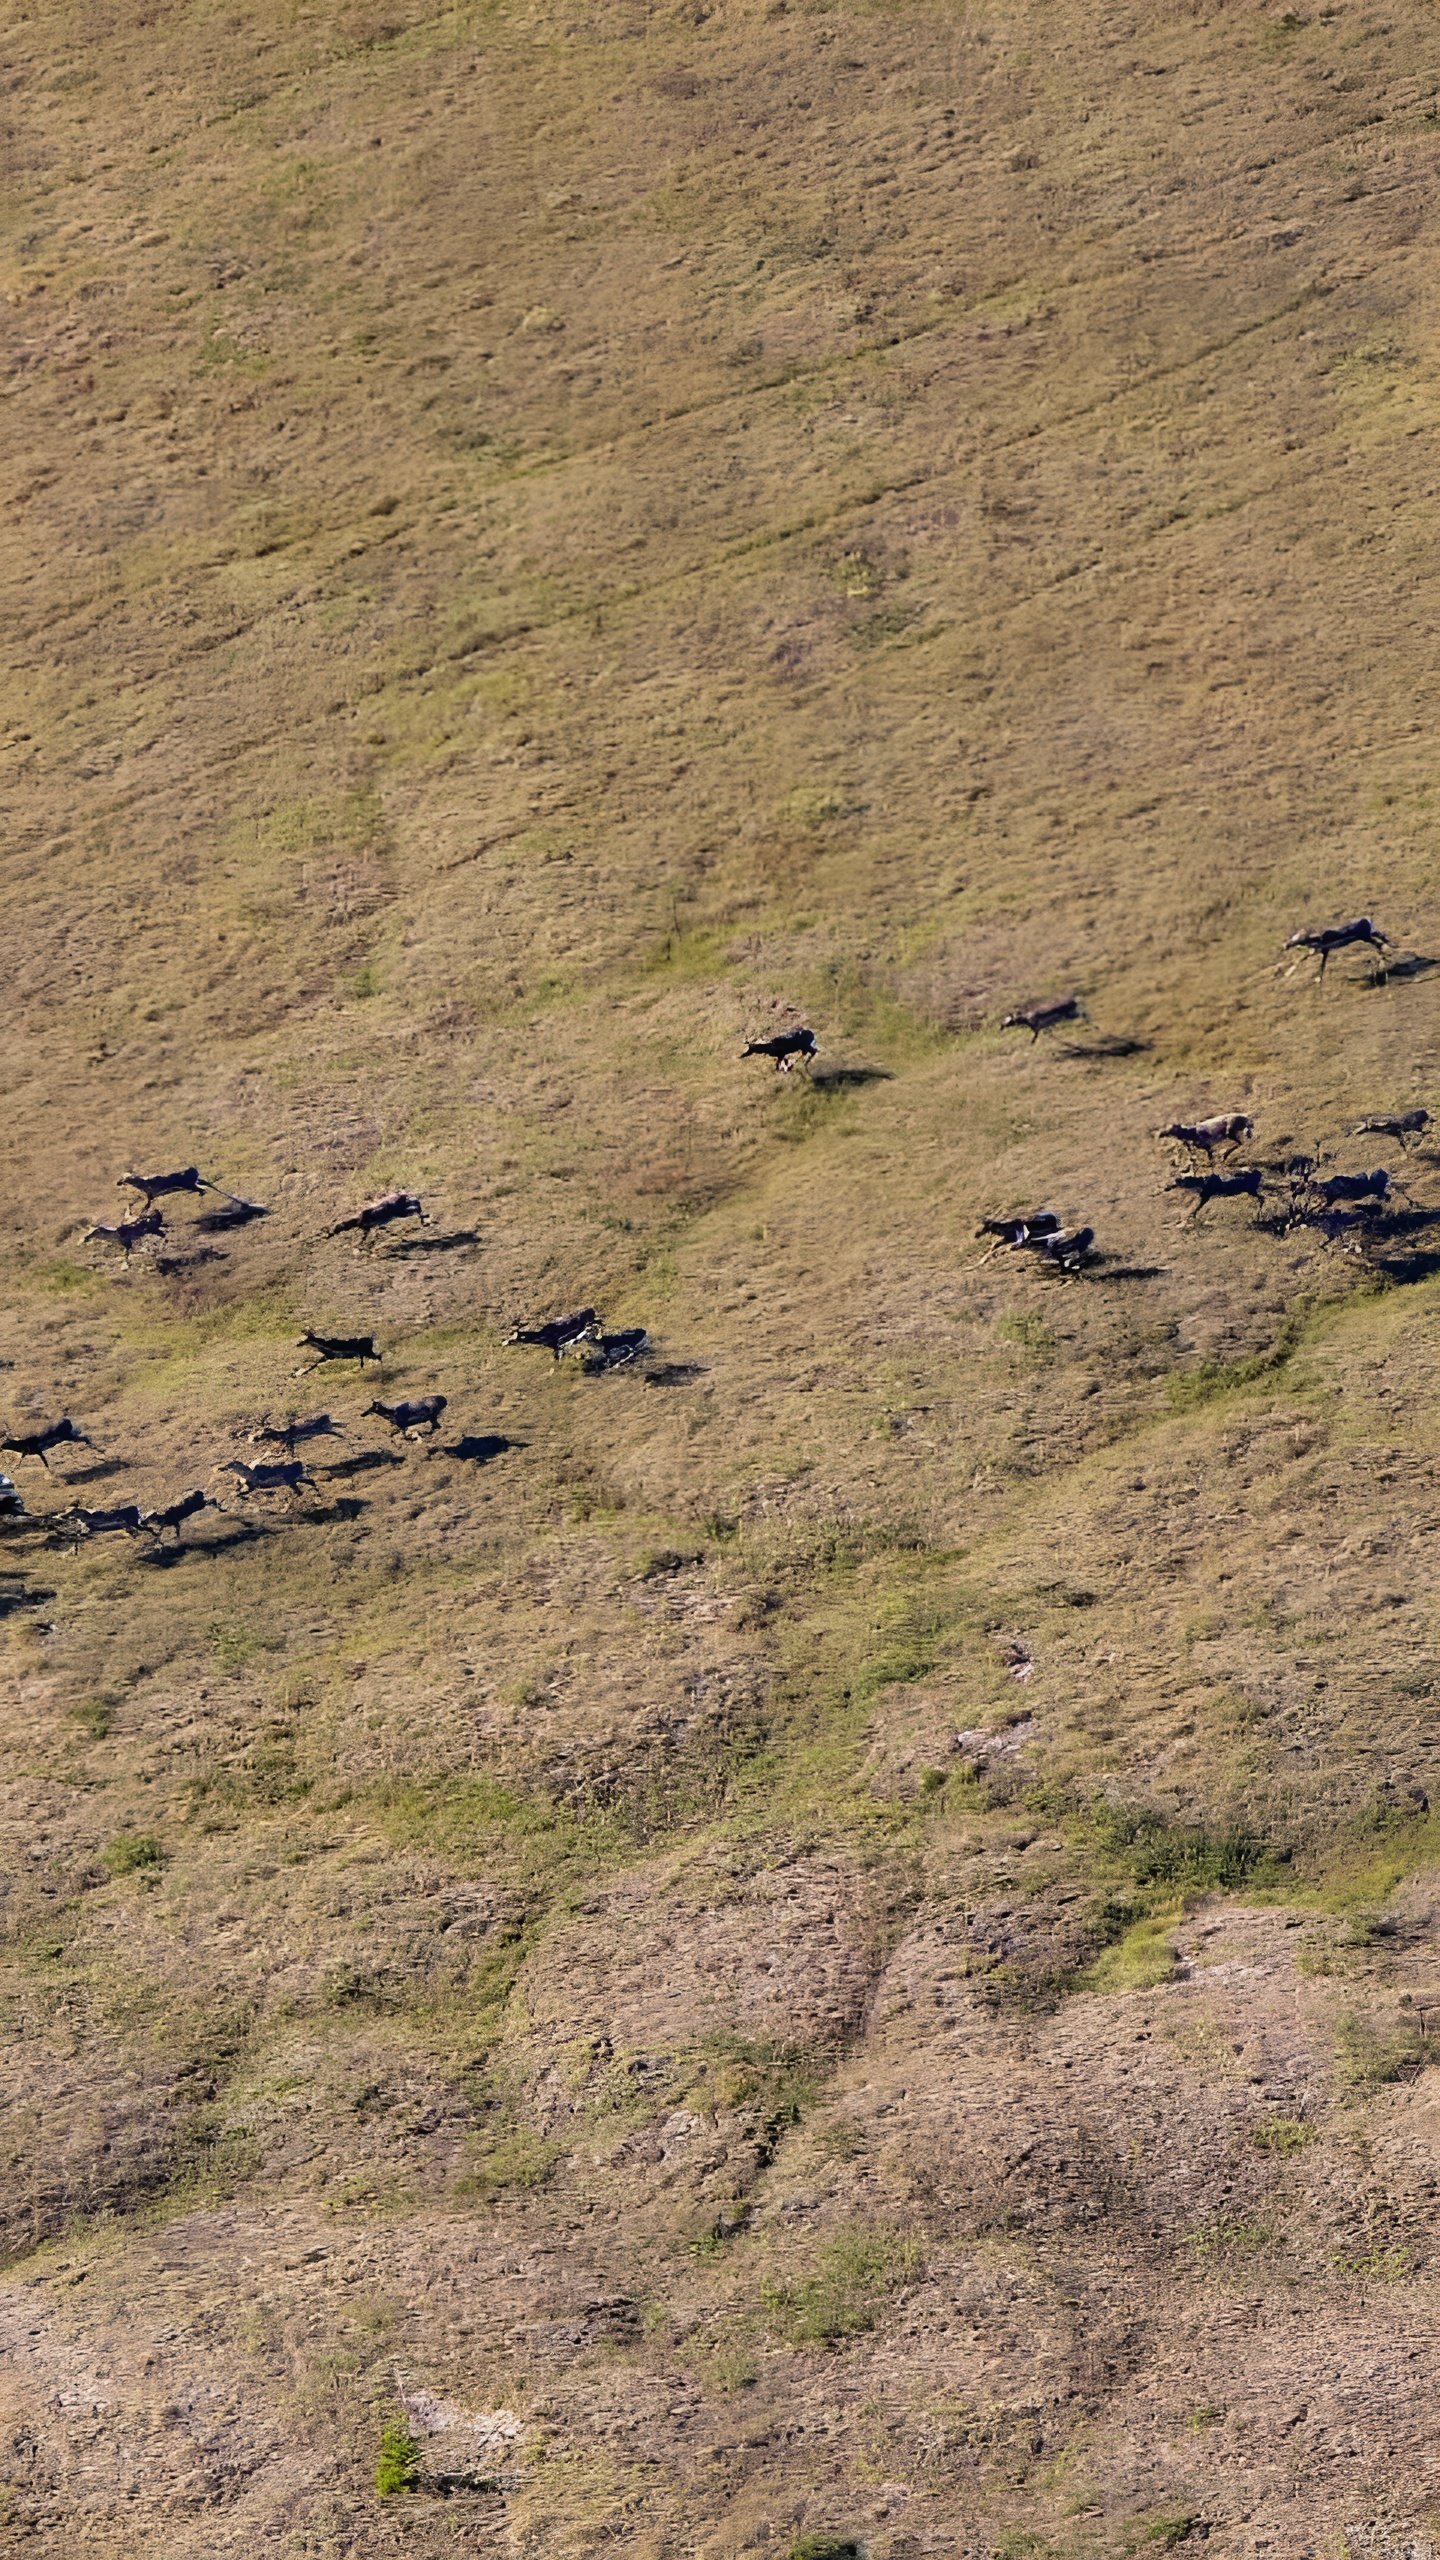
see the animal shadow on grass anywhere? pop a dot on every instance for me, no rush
(95, 1473)
(241, 1533)
(676, 1373)
(1411, 964)
(404, 1246)
(1127, 1271)
(348, 1506)
(365, 1461)
(848, 1079)
(477, 1448)
(235, 1213)
(174, 1266)
(1119, 1044)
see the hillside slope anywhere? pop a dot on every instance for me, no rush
(833, 1932)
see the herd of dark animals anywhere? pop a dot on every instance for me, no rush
(1344, 1207)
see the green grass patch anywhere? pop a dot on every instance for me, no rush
(855, 2276)
(1138, 1961)
(133, 1853)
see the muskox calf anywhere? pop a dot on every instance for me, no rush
(1404, 1125)
(130, 1232)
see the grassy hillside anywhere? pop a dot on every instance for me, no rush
(828, 1942)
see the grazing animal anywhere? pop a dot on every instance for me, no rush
(289, 1435)
(375, 1214)
(51, 1435)
(1016, 1232)
(1247, 1184)
(175, 1514)
(130, 1232)
(1036, 1018)
(415, 1413)
(1338, 937)
(286, 1476)
(337, 1346)
(1228, 1130)
(784, 1047)
(613, 1350)
(1066, 1252)
(1403, 1125)
(563, 1333)
(158, 1186)
(79, 1523)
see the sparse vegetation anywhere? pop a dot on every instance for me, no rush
(802, 1929)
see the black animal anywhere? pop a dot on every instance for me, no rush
(614, 1350)
(175, 1514)
(158, 1186)
(337, 1346)
(52, 1435)
(78, 1523)
(1036, 1018)
(1338, 1187)
(1016, 1232)
(415, 1413)
(1403, 1125)
(130, 1232)
(286, 1476)
(1338, 937)
(562, 1334)
(784, 1047)
(375, 1214)
(289, 1435)
(1065, 1252)
(1205, 1187)
(1227, 1131)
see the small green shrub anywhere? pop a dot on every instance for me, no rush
(397, 2465)
(1166, 2531)
(854, 2276)
(1282, 2135)
(94, 1716)
(131, 1852)
(519, 2162)
(1369, 2054)
(825, 2546)
(1144, 1957)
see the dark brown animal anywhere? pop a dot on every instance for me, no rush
(1403, 1125)
(377, 1214)
(79, 1523)
(560, 1335)
(1018, 1231)
(130, 1232)
(1064, 1252)
(1036, 1018)
(51, 1435)
(337, 1346)
(784, 1047)
(415, 1413)
(287, 1475)
(174, 1515)
(1205, 1187)
(1339, 937)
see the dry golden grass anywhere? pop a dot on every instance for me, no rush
(545, 542)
